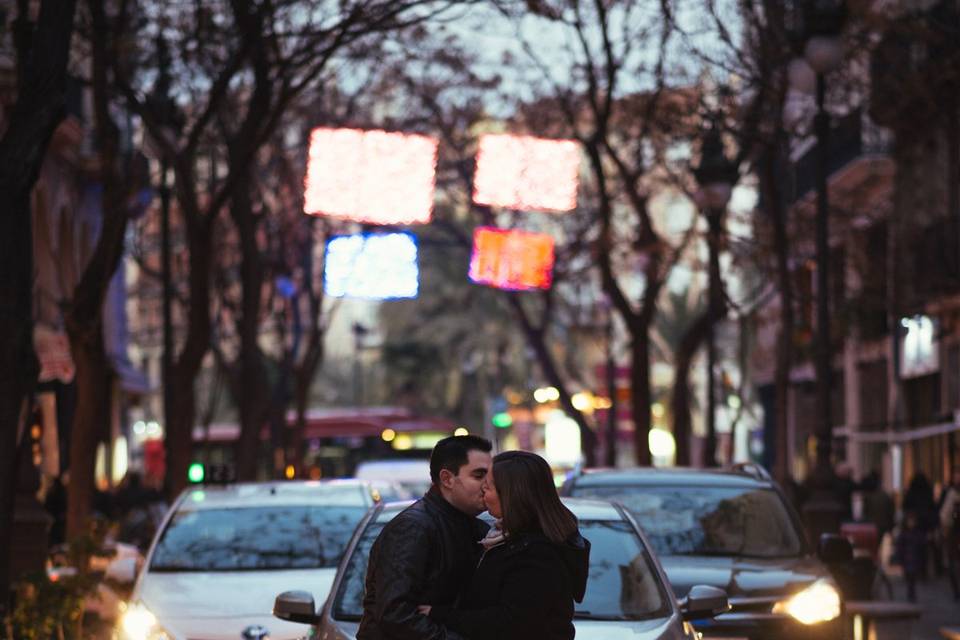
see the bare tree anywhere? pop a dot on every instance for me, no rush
(43, 51)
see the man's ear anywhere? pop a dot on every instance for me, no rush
(446, 478)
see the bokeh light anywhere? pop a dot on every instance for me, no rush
(370, 176)
(527, 173)
(511, 259)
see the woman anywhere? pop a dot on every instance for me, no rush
(534, 564)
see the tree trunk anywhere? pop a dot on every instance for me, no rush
(179, 430)
(640, 394)
(252, 377)
(35, 116)
(94, 382)
(680, 399)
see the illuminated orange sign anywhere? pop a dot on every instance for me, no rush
(527, 173)
(510, 259)
(370, 176)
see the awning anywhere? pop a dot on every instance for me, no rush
(897, 437)
(131, 379)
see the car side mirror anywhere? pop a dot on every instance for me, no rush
(834, 549)
(296, 606)
(704, 602)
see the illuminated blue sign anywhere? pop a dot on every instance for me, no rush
(375, 266)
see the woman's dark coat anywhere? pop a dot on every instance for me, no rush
(524, 588)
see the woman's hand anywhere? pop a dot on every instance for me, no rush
(424, 609)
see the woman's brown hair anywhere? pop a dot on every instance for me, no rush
(528, 497)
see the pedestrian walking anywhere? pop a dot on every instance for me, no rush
(950, 531)
(534, 565)
(909, 552)
(427, 554)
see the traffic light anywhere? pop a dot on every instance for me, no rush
(196, 472)
(502, 420)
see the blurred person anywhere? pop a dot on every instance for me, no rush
(534, 564)
(428, 552)
(878, 505)
(139, 509)
(919, 501)
(909, 552)
(843, 488)
(950, 530)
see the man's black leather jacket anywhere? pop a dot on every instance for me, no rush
(425, 555)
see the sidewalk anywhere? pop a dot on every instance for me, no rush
(939, 608)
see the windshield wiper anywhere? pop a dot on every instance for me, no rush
(586, 615)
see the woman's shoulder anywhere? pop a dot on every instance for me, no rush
(534, 545)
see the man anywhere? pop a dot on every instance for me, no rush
(950, 528)
(428, 552)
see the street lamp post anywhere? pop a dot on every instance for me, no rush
(823, 22)
(716, 176)
(359, 333)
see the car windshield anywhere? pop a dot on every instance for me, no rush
(255, 538)
(715, 521)
(623, 584)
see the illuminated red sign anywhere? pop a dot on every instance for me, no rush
(370, 176)
(527, 173)
(511, 259)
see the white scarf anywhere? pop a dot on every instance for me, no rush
(496, 535)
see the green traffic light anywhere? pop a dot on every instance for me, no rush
(502, 420)
(195, 472)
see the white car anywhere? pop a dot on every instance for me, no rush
(223, 553)
(627, 598)
(411, 474)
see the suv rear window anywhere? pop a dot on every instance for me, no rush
(707, 521)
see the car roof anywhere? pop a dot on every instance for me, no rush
(343, 493)
(673, 476)
(582, 508)
(398, 470)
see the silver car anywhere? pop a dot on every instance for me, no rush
(223, 552)
(627, 594)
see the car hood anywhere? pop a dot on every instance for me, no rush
(748, 577)
(210, 606)
(658, 629)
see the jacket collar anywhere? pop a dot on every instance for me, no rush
(435, 499)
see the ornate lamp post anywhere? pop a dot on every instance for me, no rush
(823, 22)
(716, 175)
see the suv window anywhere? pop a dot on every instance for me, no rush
(623, 584)
(255, 538)
(703, 520)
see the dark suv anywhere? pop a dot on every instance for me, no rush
(735, 530)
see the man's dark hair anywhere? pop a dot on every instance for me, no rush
(451, 454)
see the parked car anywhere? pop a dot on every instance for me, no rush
(412, 474)
(223, 552)
(626, 597)
(733, 529)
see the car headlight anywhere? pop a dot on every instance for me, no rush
(138, 623)
(820, 602)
